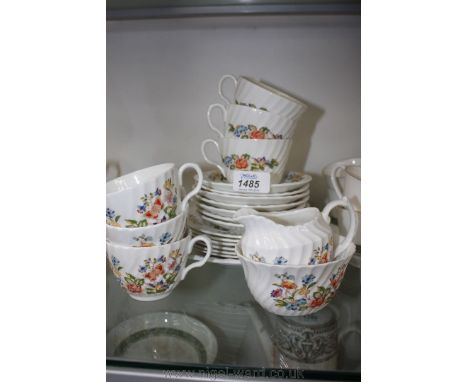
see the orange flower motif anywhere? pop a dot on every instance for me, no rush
(257, 134)
(241, 163)
(317, 302)
(288, 284)
(156, 271)
(133, 288)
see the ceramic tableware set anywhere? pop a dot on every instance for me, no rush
(147, 241)
(292, 261)
(257, 129)
(255, 135)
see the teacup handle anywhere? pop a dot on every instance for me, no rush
(208, 116)
(343, 202)
(201, 262)
(204, 143)
(220, 87)
(334, 179)
(197, 188)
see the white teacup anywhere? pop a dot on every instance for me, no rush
(352, 184)
(149, 274)
(266, 155)
(248, 123)
(258, 95)
(149, 196)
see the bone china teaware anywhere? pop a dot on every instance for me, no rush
(352, 184)
(261, 96)
(247, 123)
(149, 196)
(297, 237)
(294, 290)
(152, 273)
(266, 155)
(151, 235)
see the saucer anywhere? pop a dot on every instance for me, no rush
(253, 200)
(291, 181)
(221, 223)
(163, 336)
(266, 207)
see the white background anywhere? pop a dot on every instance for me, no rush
(52, 155)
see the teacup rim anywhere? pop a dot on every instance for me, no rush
(134, 229)
(149, 169)
(281, 118)
(126, 248)
(275, 91)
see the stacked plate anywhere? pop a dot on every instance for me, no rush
(213, 209)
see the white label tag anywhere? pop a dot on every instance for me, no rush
(251, 181)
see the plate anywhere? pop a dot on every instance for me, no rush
(221, 223)
(253, 200)
(267, 207)
(258, 195)
(291, 181)
(202, 212)
(215, 232)
(163, 336)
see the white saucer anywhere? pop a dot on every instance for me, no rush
(246, 194)
(253, 200)
(221, 223)
(163, 336)
(276, 207)
(221, 213)
(292, 181)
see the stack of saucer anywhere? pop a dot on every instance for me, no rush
(215, 205)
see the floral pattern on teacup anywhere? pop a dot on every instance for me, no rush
(112, 218)
(250, 105)
(291, 295)
(247, 163)
(156, 275)
(256, 257)
(280, 260)
(147, 241)
(158, 206)
(252, 132)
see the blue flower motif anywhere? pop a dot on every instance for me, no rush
(307, 279)
(176, 269)
(157, 192)
(142, 269)
(280, 260)
(227, 160)
(240, 130)
(162, 259)
(291, 307)
(141, 209)
(110, 214)
(174, 199)
(301, 301)
(164, 219)
(312, 261)
(115, 261)
(165, 238)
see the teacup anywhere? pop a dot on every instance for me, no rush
(352, 184)
(151, 235)
(260, 96)
(149, 196)
(294, 290)
(248, 123)
(344, 223)
(266, 155)
(149, 274)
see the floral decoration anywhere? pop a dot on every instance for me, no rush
(293, 177)
(322, 256)
(252, 132)
(111, 218)
(250, 105)
(247, 163)
(256, 257)
(279, 260)
(143, 241)
(155, 275)
(295, 296)
(157, 206)
(165, 238)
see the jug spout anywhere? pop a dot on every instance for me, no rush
(251, 219)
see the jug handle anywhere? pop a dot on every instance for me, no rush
(343, 202)
(197, 188)
(201, 262)
(208, 116)
(334, 180)
(204, 143)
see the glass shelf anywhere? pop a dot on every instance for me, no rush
(144, 9)
(250, 341)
